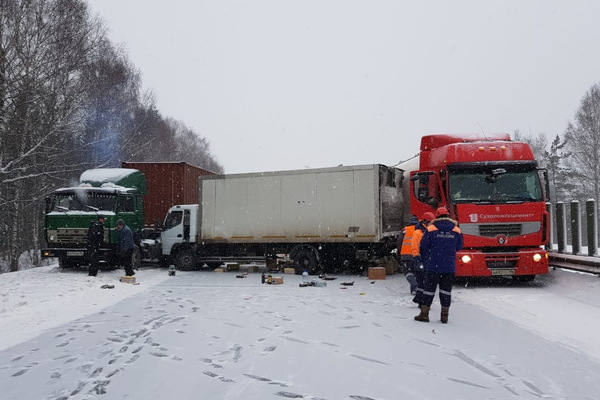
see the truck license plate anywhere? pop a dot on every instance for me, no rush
(74, 253)
(509, 271)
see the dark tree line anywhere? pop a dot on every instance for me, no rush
(69, 101)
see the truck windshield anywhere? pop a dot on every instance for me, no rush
(494, 187)
(83, 202)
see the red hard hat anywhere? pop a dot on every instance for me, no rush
(428, 216)
(441, 211)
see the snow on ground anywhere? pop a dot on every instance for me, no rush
(37, 299)
(209, 335)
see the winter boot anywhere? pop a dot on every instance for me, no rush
(444, 316)
(424, 315)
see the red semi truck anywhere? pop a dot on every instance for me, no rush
(493, 187)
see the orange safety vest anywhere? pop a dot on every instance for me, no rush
(407, 239)
(416, 241)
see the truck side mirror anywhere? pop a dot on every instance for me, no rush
(547, 179)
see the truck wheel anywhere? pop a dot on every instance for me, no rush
(186, 260)
(306, 260)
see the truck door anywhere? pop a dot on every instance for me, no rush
(426, 188)
(174, 230)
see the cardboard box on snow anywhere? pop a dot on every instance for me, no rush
(377, 273)
(277, 280)
(128, 279)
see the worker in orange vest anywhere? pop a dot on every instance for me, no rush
(405, 257)
(419, 269)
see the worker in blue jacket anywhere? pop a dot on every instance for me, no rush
(126, 247)
(440, 243)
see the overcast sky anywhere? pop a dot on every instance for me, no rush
(275, 84)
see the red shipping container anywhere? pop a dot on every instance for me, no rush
(169, 184)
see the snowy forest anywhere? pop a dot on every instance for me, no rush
(572, 156)
(71, 100)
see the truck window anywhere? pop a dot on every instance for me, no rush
(480, 186)
(126, 204)
(186, 225)
(427, 188)
(83, 202)
(173, 219)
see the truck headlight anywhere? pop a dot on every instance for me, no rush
(466, 259)
(537, 257)
(52, 238)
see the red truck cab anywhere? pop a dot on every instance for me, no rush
(494, 189)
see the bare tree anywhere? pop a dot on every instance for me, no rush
(538, 144)
(557, 161)
(583, 143)
(44, 45)
(69, 101)
(194, 148)
(109, 105)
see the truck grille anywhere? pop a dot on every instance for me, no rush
(71, 235)
(500, 229)
(501, 261)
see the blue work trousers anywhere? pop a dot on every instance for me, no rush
(432, 281)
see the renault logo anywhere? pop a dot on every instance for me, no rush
(502, 239)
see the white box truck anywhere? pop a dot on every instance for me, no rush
(322, 219)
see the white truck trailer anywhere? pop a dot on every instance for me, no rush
(321, 218)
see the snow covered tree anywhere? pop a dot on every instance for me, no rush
(583, 143)
(69, 101)
(557, 159)
(193, 148)
(43, 46)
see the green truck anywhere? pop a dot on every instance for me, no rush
(140, 193)
(115, 193)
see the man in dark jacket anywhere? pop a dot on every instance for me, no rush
(440, 243)
(126, 246)
(95, 239)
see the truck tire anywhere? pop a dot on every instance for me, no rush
(306, 260)
(186, 260)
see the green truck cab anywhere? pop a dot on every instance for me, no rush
(115, 193)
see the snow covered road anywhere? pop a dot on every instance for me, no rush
(207, 335)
